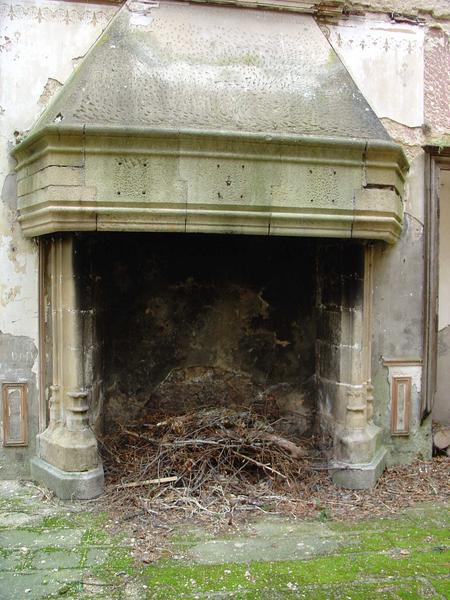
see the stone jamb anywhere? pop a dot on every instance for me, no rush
(67, 449)
(359, 454)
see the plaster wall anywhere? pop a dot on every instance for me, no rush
(40, 45)
(410, 8)
(404, 71)
(386, 61)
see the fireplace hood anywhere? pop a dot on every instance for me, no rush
(197, 118)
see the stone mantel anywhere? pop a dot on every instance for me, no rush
(142, 179)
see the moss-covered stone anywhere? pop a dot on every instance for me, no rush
(71, 554)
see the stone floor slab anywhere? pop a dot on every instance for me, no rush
(35, 585)
(62, 538)
(59, 559)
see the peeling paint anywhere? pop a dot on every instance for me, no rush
(51, 87)
(77, 60)
(435, 9)
(411, 137)
(8, 294)
(375, 51)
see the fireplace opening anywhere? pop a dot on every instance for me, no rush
(150, 327)
(181, 322)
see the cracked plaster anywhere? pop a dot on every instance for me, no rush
(438, 9)
(376, 51)
(37, 43)
(33, 44)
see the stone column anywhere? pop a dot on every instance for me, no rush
(359, 455)
(68, 460)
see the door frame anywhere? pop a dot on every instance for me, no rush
(436, 159)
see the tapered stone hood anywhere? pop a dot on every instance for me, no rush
(211, 119)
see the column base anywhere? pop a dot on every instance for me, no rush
(68, 450)
(359, 476)
(81, 485)
(356, 445)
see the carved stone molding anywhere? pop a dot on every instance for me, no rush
(50, 12)
(68, 443)
(150, 180)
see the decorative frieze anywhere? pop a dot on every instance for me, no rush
(61, 13)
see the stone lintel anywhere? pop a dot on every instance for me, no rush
(141, 179)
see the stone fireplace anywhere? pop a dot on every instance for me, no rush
(138, 322)
(207, 206)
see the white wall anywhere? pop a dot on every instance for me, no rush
(40, 43)
(386, 61)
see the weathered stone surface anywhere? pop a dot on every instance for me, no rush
(357, 446)
(209, 182)
(202, 67)
(68, 485)
(362, 476)
(70, 451)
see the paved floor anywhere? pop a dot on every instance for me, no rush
(50, 550)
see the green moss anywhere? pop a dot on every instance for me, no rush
(119, 560)
(172, 580)
(94, 536)
(369, 562)
(441, 585)
(57, 522)
(413, 538)
(407, 539)
(373, 525)
(7, 504)
(365, 542)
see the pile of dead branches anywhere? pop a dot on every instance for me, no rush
(203, 459)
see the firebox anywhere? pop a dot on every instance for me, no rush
(207, 199)
(178, 322)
